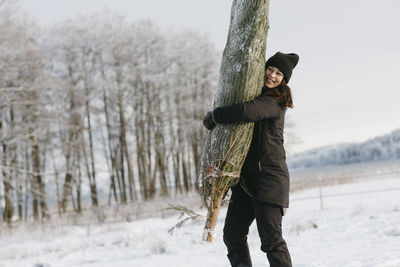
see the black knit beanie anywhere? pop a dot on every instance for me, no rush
(284, 62)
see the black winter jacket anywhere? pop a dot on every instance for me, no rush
(264, 172)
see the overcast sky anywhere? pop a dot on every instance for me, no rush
(346, 87)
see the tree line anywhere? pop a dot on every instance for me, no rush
(100, 107)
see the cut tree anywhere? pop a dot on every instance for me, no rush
(240, 79)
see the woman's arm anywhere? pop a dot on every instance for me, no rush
(262, 107)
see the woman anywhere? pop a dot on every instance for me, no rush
(263, 191)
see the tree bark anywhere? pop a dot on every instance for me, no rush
(241, 78)
(124, 148)
(40, 186)
(92, 176)
(57, 181)
(8, 209)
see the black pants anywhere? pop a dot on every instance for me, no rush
(242, 211)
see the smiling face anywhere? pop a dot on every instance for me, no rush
(273, 77)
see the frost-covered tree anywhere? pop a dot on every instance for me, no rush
(194, 62)
(96, 98)
(23, 114)
(70, 62)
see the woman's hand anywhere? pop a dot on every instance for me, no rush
(209, 121)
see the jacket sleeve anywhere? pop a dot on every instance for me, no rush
(262, 107)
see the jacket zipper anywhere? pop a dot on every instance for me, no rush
(260, 124)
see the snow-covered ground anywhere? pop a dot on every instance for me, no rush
(351, 230)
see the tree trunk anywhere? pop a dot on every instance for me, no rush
(8, 209)
(78, 183)
(14, 169)
(93, 189)
(185, 172)
(240, 79)
(27, 182)
(36, 167)
(178, 183)
(125, 150)
(56, 177)
(110, 155)
(121, 169)
(67, 190)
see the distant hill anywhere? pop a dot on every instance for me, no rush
(386, 147)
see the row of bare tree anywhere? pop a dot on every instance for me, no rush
(97, 110)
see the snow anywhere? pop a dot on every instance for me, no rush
(356, 227)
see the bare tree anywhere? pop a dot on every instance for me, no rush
(97, 90)
(21, 74)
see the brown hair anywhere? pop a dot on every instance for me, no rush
(282, 94)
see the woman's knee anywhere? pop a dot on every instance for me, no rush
(273, 243)
(233, 238)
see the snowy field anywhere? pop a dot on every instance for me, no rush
(351, 230)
